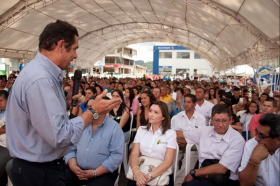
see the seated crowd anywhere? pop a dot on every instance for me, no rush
(235, 132)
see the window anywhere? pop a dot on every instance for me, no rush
(131, 63)
(110, 70)
(183, 55)
(119, 61)
(183, 71)
(165, 70)
(197, 56)
(165, 55)
(202, 72)
(126, 61)
(109, 60)
(119, 50)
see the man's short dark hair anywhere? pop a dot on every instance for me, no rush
(202, 89)
(236, 89)
(272, 121)
(266, 94)
(228, 95)
(221, 109)
(274, 102)
(276, 96)
(112, 82)
(157, 88)
(54, 32)
(4, 94)
(193, 97)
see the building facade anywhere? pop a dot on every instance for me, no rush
(120, 62)
(170, 60)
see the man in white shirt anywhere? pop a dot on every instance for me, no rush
(220, 142)
(190, 118)
(261, 157)
(202, 105)
(187, 120)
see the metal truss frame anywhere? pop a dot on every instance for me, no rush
(257, 43)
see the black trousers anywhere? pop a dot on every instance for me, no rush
(4, 158)
(107, 179)
(25, 173)
(209, 183)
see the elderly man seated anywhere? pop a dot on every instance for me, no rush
(261, 157)
(97, 156)
(220, 151)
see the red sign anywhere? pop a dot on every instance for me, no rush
(114, 66)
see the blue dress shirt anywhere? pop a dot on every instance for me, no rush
(175, 110)
(2, 113)
(103, 147)
(37, 125)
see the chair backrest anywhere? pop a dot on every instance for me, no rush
(240, 113)
(175, 163)
(171, 121)
(247, 129)
(109, 95)
(131, 122)
(188, 157)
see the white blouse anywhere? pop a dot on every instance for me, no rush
(155, 145)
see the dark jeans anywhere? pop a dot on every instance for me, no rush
(25, 173)
(171, 181)
(4, 158)
(107, 179)
(209, 183)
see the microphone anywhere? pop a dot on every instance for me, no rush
(77, 79)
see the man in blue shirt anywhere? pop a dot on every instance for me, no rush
(97, 156)
(39, 132)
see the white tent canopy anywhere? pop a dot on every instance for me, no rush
(226, 32)
(241, 70)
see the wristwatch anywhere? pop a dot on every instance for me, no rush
(150, 175)
(95, 115)
(192, 173)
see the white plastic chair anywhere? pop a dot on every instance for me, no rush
(119, 171)
(175, 166)
(171, 121)
(188, 156)
(247, 129)
(109, 95)
(240, 113)
(125, 157)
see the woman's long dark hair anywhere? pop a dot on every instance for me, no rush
(151, 96)
(83, 91)
(210, 98)
(122, 105)
(96, 85)
(165, 125)
(131, 96)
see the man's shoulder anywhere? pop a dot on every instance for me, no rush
(111, 124)
(257, 116)
(208, 103)
(179, 115)
(234, 136)
(198, 115)
(250, 145)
